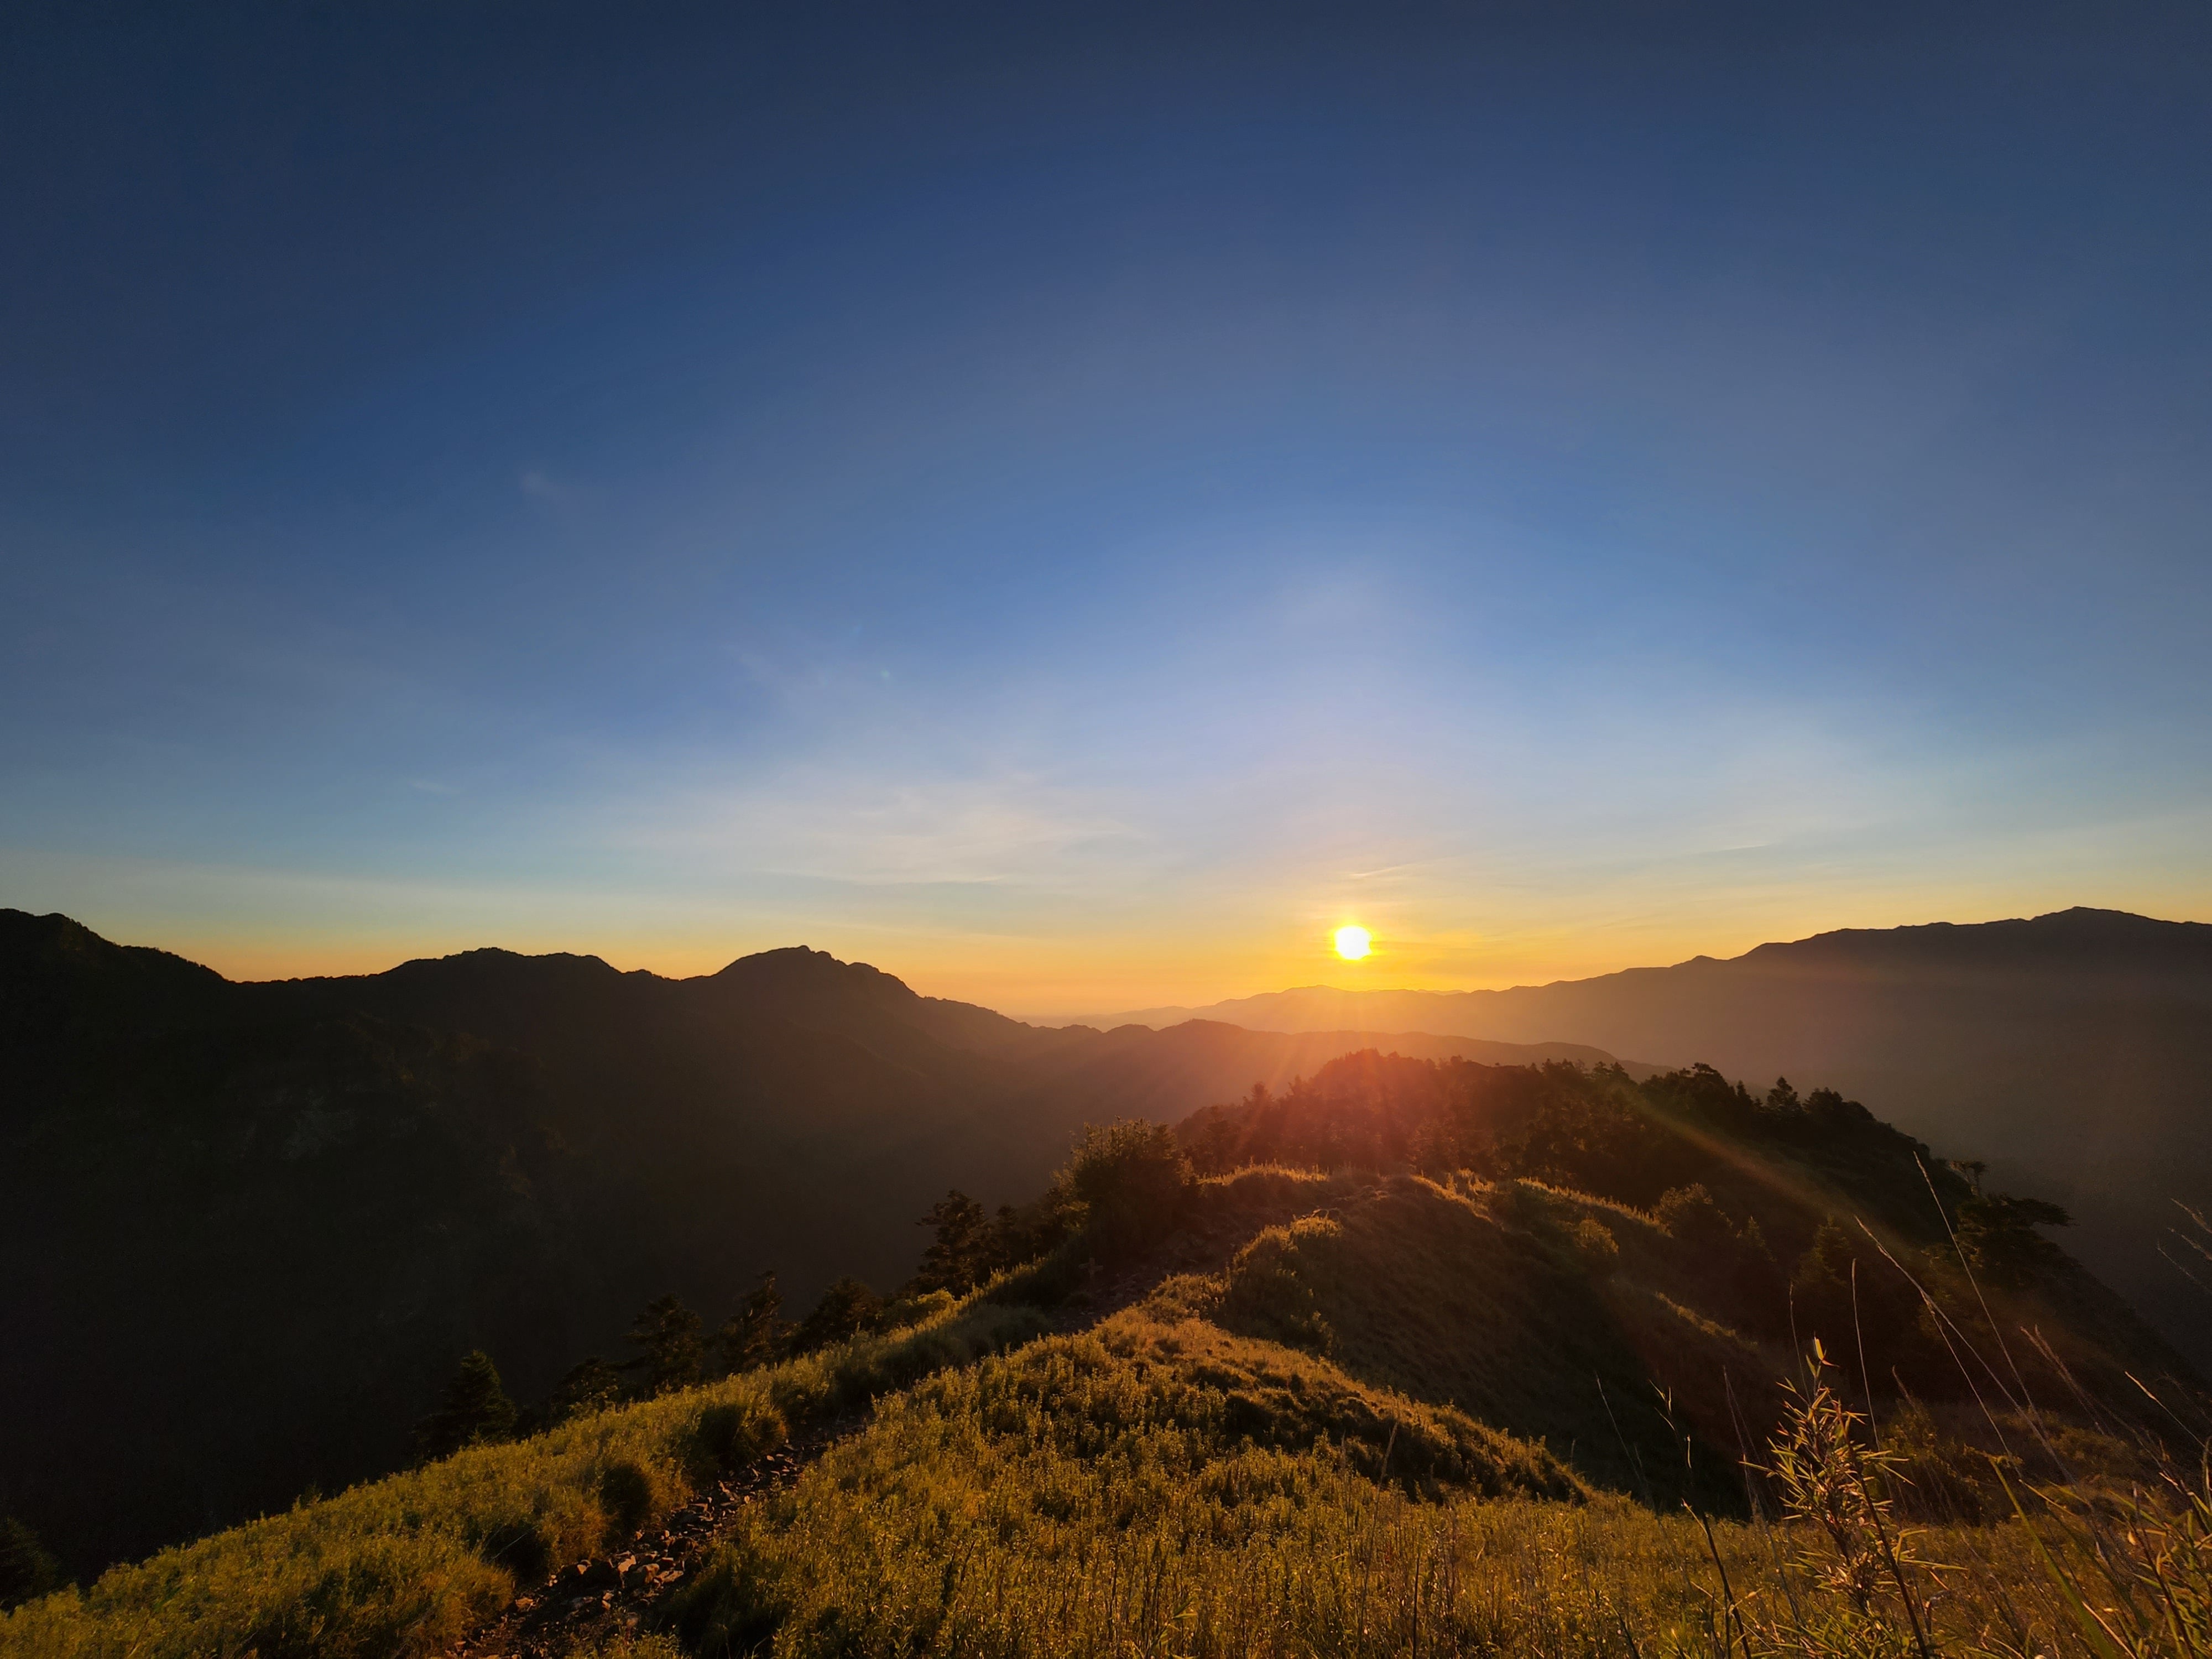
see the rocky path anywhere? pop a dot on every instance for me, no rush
(588, 1603)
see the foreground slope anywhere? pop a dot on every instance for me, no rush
(1282, 1409)
(259, 1223)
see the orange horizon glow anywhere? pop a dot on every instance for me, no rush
(1059, 977)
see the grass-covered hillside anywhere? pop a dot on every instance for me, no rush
(1405, 1358)
(267, 1218)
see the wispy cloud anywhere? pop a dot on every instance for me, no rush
(540, 487)
(826, 827)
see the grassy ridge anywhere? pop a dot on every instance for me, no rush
(1488, 1298)
(405, 1564)
(1379, 1417)
(1084, 1497)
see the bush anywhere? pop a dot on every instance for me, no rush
(1690, 1214)
(1045, 1283)
(591, 1386)
(730, 1435)
(1599, 1250)
(1268, 1298)
(628, 1495)
(915, 1309)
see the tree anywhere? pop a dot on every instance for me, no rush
(591, 1386)
(1130, 1177)
(960, 1254)
(757, 1334)
(1844, 1292)
(1997, 1234)
(475, 1410)
(1830, 1110)
(1017, 1237)
(846, 1308)
(1438, 1148)
(1974, 1168)
(1218, 1139)
(27, 1571)
(1820, 1290)
(670, 1349)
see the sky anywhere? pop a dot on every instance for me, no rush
(1072, 506)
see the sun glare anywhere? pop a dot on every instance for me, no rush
(1353, 943)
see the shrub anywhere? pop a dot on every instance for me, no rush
(730, 1435)
(1266, 1295)
(26, 1568)
(915, 1309)
(1597, 1247)
(628, 1495)
(1690, 1214)
(592, 1385)
(1045, 1283)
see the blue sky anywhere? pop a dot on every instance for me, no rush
(1071, 509)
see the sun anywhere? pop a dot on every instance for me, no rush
(1353, 943)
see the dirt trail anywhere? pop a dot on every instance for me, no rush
(594, 1601)
(591, 1601)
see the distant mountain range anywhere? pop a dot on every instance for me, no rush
(250, 1227)
(2073, 1052)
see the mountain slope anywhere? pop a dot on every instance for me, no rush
(258, 1223)
(2070, 1051)
(1308, 1408)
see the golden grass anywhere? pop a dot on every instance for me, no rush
(1180, 1482)
(1084, 1498)
(976, 1518)
(403, 1565)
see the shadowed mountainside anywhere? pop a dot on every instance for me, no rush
(2070, 1050)
(1239, 1336)
(255, 1224)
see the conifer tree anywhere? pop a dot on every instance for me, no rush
(846, 1308)
(1997, 1233)
(591, 1386)
(474, 1409)
(670, 1349)
(958, 1256)
(757, 1334)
